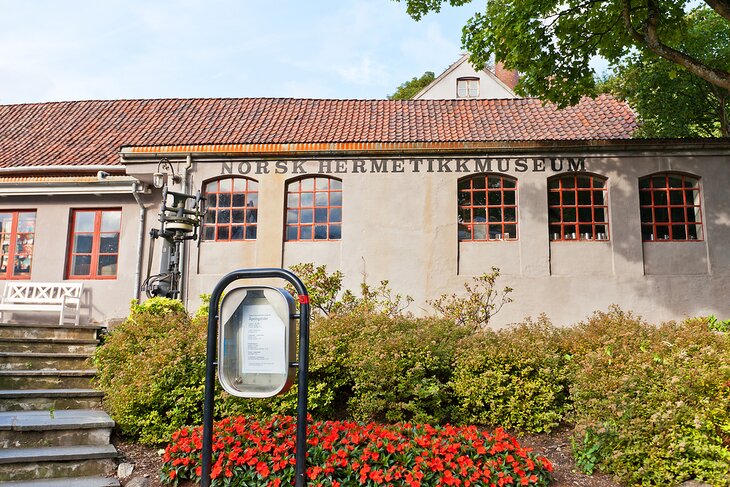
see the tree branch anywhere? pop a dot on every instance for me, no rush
(722, 7)
(650, 40)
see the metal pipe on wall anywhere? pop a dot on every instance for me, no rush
(140, 245)
(184, 247)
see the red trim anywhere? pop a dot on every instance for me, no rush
(578, 208)
(95, 253)
(482, 209)
(313, 209)
(12, 242)
(667, 214)
(222, 231)
(303, 299)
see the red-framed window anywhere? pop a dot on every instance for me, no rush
(233, 207)
(17, 234)
(314, 209)
(670, 207)
(94, 244)
(487, 207)
(578, 207)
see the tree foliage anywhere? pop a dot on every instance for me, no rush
(409, 89)
(551, 42)
(669, 100)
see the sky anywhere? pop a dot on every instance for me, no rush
(60, 50)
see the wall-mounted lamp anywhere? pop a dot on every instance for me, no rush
(158, 178)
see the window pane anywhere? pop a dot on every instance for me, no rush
(495, 198)
(292, 216)
(584, 215)
(661, 215)
(110, 221)
(225, 185)
(21, 266)
(84, 221)
(479, 214)
(109, 243)
(251, 232)
(677, 215)
(320, 215)
(307, 199)
(660, 197)
(239, 200)
(584, 182)
(495, 215)
(107, 265)
(584, 197)
(679, 232)
(598, 198)
(26, 222)
(509, 198)
(237, 216)
(480, 232)
(223, 233)
(253, 199)
(224, 200)
(321, 183)
(676, 197)
(81, 265)
(335, 185)
(307, 184)
(320, 232)
(209, 233)
(236, 232)
(480, 198)
(292, 200)
(510, 214)
(239, 185)
(83, 243)
(321, 199)
(335, 215)
(464, 198)
(568, 197)
(211, 187)
(212, 200)
(510, 231)
(479, 182)
(306, 216)
(464, 232)
(305, 232)
(224, 216)
(291, 233)
(335, 232)
(336, 199)
(252, 216)
(494, 182)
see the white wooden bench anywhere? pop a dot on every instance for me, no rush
(43, 297)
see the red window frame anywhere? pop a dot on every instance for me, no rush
(671, 208)
(232, 209)
(12, 241)
(313, 209)
(487, 208)
(578, 207)
(95, 253)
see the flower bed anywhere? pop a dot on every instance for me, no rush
(340, 453)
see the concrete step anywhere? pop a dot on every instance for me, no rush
(55, 462)
(48, 345)
(33, 429)
(46, 361)
(67, 482)
(46, 379)
(49, 399)
(47, 330)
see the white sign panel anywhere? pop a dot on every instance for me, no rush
(262, 350)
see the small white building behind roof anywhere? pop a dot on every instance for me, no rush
(461, 80)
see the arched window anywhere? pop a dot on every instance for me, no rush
(578, 207)
(670, 207)
(487, 207)
(314, 209)
(232, 209)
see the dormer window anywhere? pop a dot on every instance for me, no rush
(467, 88)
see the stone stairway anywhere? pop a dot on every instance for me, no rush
(52, 430)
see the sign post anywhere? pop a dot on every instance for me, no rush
(256, 351)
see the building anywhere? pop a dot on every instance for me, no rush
(424, 193)
(462, 81)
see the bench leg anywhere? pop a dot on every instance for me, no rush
(60, 320)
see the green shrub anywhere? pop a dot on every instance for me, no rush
(401, 367)
(652, 404)
(149, 368)
(516, 377)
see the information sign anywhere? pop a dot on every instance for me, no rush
(256, 341)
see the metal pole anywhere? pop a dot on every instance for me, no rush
(303, 367)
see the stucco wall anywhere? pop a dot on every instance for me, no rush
(102, 299)
(401, 226)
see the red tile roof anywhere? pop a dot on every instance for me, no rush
(92, 132)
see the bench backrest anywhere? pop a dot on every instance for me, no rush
(41, 292)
